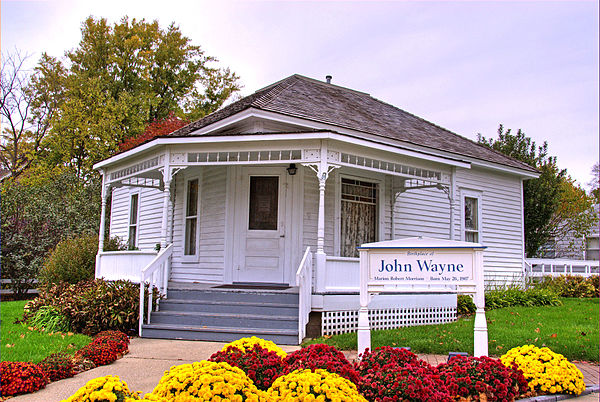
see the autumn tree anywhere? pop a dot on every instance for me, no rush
(119, 79)
(153, 130)
(554, 205)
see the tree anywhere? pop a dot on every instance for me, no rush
(119, 79)
(24, 121)
(594, 183)
(553, 204)
(39, 209)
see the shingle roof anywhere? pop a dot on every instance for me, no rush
(305, 98)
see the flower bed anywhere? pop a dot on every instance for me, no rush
(320, 356)
(545, 371)
(261, 365)
(246, 370)
(108, 388)
(308, 385)
(482, 377)
(248, 343)
(206, 381)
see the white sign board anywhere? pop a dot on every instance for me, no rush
(420, 266)
(418, 263)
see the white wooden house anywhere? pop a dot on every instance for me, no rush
(277, 189)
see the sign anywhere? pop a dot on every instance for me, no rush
(420, 266)
(415, 264)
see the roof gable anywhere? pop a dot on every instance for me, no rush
(313, 100)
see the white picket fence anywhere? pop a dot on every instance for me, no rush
(540, 267)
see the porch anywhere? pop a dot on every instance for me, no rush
(291, 216)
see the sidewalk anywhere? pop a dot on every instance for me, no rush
(148, 359)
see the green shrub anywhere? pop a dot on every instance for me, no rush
(114, 243)
(570, 285)
(465, 305)
(93, 306)
(50, 319)
(516, 296)
(71, 261)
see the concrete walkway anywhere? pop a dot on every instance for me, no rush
(148, 359)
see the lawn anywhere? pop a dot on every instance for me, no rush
(570, 329)
(21, 343)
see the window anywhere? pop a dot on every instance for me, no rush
(592, 246)
(359, 215)
(133, 221)
(471, 219)
(264, 203)
(191, 217)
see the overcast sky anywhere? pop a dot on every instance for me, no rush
(466, 66)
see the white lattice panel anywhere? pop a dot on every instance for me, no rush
(339, 322)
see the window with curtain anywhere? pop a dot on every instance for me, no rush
(359, 215)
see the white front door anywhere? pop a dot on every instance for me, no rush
(261, 227)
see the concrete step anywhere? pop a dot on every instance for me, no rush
(233, 320)
(219, 306)
(218, 334)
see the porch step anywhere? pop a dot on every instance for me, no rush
(220, 306)
(233, 295)
(225, 315)
(218, 334)
(203, 319)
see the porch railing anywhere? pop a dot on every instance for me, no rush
(539, 267)
(304, 283)
(156, 273)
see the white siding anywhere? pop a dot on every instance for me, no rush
(422, 212)
(209, 265)
(149, 218)
(501, 226)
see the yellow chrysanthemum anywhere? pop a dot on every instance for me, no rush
(205, 381)
(104, 389)
(306, 385)
(248, 343)
(545, 371)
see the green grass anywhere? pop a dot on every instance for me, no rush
(20, 343)
(570, 329)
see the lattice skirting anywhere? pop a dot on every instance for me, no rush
(339, 322)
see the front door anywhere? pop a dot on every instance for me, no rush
(261, 256)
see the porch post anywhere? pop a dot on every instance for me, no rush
(167, 175)
(103, 199)
(320, 256)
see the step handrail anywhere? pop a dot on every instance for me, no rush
(159, 265)
(304, 283)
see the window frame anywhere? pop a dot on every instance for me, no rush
(196, 256)
(136, 244)
(478, 195)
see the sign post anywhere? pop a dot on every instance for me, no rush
(423, 265)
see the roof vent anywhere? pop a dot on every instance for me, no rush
(328, 78)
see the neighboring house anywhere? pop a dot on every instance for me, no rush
(570, 246)
(237, 197)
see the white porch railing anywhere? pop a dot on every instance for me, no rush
(304, 283)
(342, 274)
(539, 267)
(115, 265)
(157, 275)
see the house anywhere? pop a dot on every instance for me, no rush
(261, 206)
